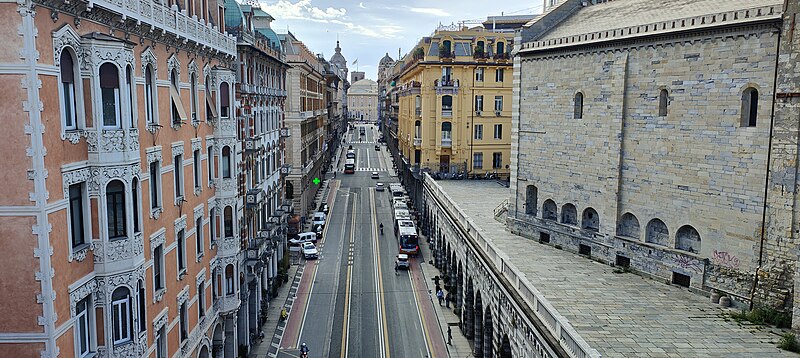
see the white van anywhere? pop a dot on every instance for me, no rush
(303, 238)
(319, 218)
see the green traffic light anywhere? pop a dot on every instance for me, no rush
(316, 181)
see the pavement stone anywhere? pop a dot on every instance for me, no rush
(602, 305)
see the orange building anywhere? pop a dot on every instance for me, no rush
(119, 217)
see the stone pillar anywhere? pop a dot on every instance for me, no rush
(468, 312)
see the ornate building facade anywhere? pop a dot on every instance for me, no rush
(363, 98)
(667, 145)
(118, 213)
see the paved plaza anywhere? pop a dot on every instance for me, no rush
(620, 315)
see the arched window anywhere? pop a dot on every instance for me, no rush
(578, 106)
(569, 214)
(226, 162)
(149, 94)
(224, 100)
(211, 109)
(501, 48)
(418, 105)
(130, 89)
(68, 91)
(749, 107)
(109, 95)
(446, 48)
(663, 99)
(228, 221)
(628, 226)
(479, 48)
(590, 220)
(687, 239)
(229, 280)
(657, 233)
(531, 199)
(115, 209)
(447, 106)
(549, 210)
(121, 315)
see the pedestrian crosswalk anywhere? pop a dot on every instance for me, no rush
(370, 170)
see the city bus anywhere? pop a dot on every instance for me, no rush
(350, 166)
(407, 237)
(400, 215)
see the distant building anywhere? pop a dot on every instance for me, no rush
(455, 102)
(646, 138)
(356, 76)
(363, 100)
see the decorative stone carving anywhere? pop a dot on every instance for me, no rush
(159, 295)
(201, 277)
(73, 136)
(107, 284)
(193, 68)
(66, 36)
(153, 154)
(117, 250)
(73, 177)
(160, 321)
(110, 140)
(197, 144)
(100, 176)
(228, 185)
(183, 296)
(80, 293)
(174, 64)
(155, 213)
(149, 58)
(132, 143)
(180, 224)
(198, 211)
(177, 149)
(99, 52)
(79, 254)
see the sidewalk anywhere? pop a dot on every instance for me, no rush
(460, 346)
(273, 328)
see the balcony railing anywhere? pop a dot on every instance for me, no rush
(418, 112)
(228, 304)
(447, 143)
(447, 112)
(112, 145)
(228, 246)
(417, 142)
(446, 86)
(170, 20)
(502, 56)
(114, 255)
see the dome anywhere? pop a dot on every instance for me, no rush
(338, 59)
(386, 60)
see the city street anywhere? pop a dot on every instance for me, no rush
(350, 301)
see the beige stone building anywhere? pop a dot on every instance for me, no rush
(363, 100)
(662, 139)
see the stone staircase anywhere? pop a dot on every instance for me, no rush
(501, 211)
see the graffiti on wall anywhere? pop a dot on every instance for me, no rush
(687, 263)
(725, 259)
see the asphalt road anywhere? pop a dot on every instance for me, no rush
(357, 305)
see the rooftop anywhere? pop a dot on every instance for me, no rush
(620, 315)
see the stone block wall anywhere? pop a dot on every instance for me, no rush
(696, 172)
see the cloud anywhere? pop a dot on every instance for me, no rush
(361, 5)
(429, 11)
(303, 10)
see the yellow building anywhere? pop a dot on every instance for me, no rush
(455, 102)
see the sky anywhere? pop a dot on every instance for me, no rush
(367, 30)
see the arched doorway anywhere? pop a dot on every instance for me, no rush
(218, 344)
(203, 352)
(488, 334)
(505, 347)
(460, 286)
(477, 346)
(468, 313)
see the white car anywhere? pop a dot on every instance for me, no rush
(319, 218)
(402, 261)
(375, 175)
(379, 187)
(310, 251)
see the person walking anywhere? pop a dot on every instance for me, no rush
(440, 296)
(447, 300)
(449, 336)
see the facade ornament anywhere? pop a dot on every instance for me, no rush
(80, 293)
(153, 154)
(174, 64)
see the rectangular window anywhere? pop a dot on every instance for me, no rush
(212, 214)
(210, 160)
(479, 131)
(158, 267)
(198, 227)
(82, 327)
(76, 213)
(178, 164)
(479, 103)
(498, 131)
(497, 160)
(477, 160)
(110, 103)
(197, 169)
(201, 300)
(115, 212)
(142, 308)
(479, 74)
(498, 104)
(161, 343)
(184, 324)
(155, 183)
(498, 75)
(120, 311)
(181, 252)
(69, 105)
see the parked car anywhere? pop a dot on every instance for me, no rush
(319, 218)
(310, 251)
(303, 238)
(375, 175)
(402, 261)
(324, 208)
(379, 187)
(317, 229)
(377, 148)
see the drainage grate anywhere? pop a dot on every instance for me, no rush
(623, 261)
(681, 279)
(585, 250)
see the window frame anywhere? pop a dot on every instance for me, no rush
(180, 252)
(226, 163)
(199, 238)
(113, 199)
(479, 74)
(201, 300)
(478, 132)
(159, 282)
(497, 157)
(498, 104)
(116, 93)
(663, 102)
(749, 111)
(68, 90)
(84, 316)
(477, 160)
(161, 342)
(119, 309)
(498, 131)
(177, 168)
(499, 75)
(478, 103)
(577, 102)
(155, 185)
(197, 169)
(150, 95)
(82, 212)
(183, 325)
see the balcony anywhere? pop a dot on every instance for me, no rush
(228, 304)
(447, 113)
(226, 187)
(254, 197)
(108, 146)
(226, 127)
(502, 56)
(170, 20)
(480, 56)
(447, 142)
(445, 55)
(446, 86)
(418, 112)
(417, 141)
(119, 254)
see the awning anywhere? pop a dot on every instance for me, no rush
(176, 101)
(210, 107)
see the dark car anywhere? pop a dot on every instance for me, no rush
(377, 148)
(318, 230)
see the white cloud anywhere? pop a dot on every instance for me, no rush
(303, 10)
(429, 11)
(361, 5)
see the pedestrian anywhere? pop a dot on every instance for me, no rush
(447, 300)
(438, 288)
(449, 336)
(436, 280)
(440, 296)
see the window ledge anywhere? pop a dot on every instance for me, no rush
(159, 295)
(72, 135)
(200, 256)
(198, 190)
(182, 274)
(79, 252)
(179, 200)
